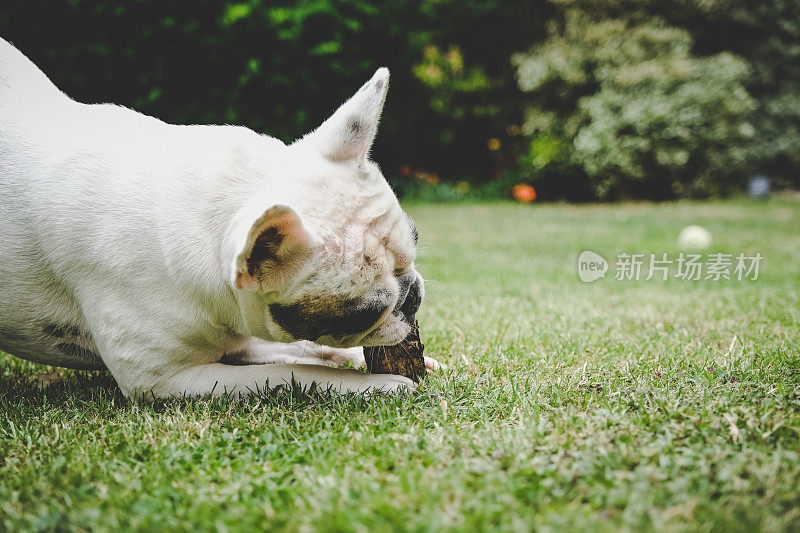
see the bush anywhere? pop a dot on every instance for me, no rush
(765, 34)
(282, 67)
(455, 109)
(634, 110)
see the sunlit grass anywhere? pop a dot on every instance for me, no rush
(642, 405)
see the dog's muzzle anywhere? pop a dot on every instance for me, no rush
(409, 305)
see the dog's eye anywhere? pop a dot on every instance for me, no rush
(403, 263)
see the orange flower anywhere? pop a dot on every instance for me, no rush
(524, 193)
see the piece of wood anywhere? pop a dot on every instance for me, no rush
(404, 359)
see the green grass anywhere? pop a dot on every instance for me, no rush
(613, 405)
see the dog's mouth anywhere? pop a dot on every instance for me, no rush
(389, 332)
(395, 326)
(339, 323)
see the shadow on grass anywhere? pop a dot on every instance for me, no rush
(96, 393)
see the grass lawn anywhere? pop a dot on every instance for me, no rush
(664, 405)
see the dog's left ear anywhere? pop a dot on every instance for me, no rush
(348, 134)
(273, 250)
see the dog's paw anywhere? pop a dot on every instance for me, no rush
(383, 383)
(392, 383)
(433, 365)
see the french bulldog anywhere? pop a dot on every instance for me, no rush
(185, 258)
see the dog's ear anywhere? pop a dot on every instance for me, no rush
(348, 134)
(273, 250)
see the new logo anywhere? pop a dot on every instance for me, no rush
(591, 266)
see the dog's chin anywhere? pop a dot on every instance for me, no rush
(389, 333)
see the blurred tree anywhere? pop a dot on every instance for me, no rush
(640, 115)
(281, 67)
(463, 50)
(766, 33)
(454, 109)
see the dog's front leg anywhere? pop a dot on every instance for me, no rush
(217, 378)
(258, 352)
(160, 375)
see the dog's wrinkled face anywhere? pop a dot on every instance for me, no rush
(335, 264)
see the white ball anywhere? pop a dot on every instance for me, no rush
(694, 238)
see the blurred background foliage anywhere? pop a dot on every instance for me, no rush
(584, 99)
(631, 107)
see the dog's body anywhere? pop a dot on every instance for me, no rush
(157, 250)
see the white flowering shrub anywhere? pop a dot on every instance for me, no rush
(765, 33)
(636, 111)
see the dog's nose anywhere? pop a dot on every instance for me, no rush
(413, 300)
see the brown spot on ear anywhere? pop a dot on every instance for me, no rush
(378, 85)
(354, 125)
(265, 250)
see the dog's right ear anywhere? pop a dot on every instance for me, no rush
(348, 134)
(273, 250)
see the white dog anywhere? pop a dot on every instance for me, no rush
(158, 251)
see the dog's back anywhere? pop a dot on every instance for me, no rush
(83, 188)
(24, 89)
